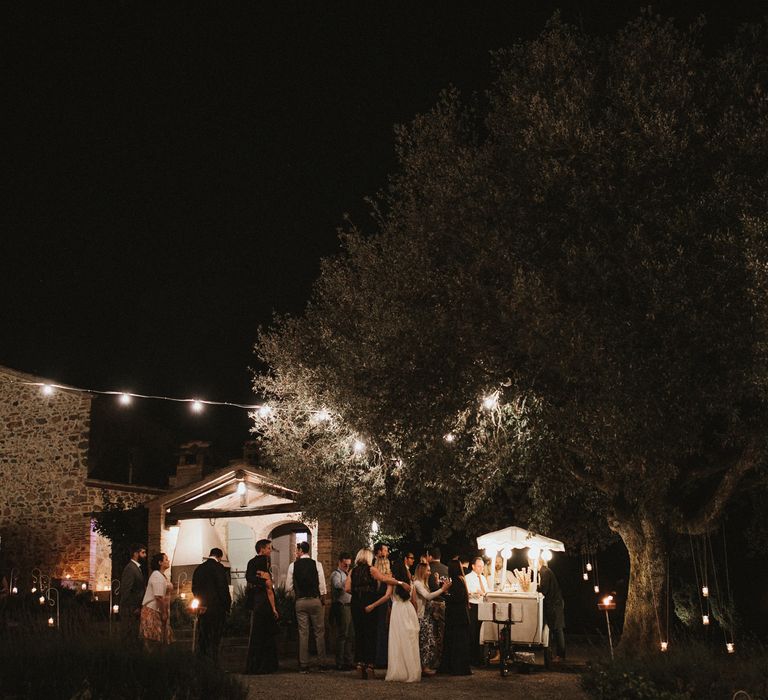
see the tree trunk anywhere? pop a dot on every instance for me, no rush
(645, 612)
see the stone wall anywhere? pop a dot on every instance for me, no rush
(45, 497)
(43, 466)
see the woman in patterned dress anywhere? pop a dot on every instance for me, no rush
(155, 625)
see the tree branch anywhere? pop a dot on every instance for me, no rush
(711, 510)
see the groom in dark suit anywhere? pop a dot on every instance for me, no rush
(132, 594)
(210, 585)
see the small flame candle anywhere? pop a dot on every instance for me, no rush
(705, 619)
(589, 566)
(41, 599)
(597, 589)
(705, 591)
(730, 647)
(115, 609)
(14, 590)
(585, 576)
(664, 646)
(50, 622)
(83, 586)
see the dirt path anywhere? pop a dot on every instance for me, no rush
(539, 685)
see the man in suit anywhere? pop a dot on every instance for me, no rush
(131, 594)
(306, 579)
(210, 585)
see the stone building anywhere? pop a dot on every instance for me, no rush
(47, 496)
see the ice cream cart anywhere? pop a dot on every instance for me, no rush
(513, 617)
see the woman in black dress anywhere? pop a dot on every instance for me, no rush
(456, 642)
(363, 583)
(262, 645)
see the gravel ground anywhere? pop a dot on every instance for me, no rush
(538, 685)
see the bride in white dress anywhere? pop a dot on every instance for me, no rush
(404, 663)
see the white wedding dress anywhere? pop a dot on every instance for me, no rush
(404, 663)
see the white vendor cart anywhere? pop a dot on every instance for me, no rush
(512, 617)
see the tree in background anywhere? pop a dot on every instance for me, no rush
(563, 305)
(122, 526)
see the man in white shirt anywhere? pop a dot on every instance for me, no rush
(306, 580)
(477, 587)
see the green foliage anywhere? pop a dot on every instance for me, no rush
(239, 619)
(122, 526)
(51, 666)
(589, 244)
(689, 671)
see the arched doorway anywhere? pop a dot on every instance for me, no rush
(284, 538)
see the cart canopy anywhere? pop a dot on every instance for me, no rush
(516, 538)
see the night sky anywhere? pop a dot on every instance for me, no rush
(176, 174)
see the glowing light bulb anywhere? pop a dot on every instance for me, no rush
(125, 399)
(321, 416)
(585, 576)
(34, 590)
(14, 590)
(705, 591)
(358, 447)
(588, 567)
(705, 619)
(115, 609)
(449, 437)
(506, 553)
(197, 406)
(195, 604)
(533, 553)
(596, 589)
(491, 401)
(664, 646)
(607, 600)
(83, 586)
(41, 600)
(265, 411)
(546, 555)
(730, 647)
(50, 622)
(47, 389)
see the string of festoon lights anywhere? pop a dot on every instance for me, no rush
(489, 402)
(125, 398)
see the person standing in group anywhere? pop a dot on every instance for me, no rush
(306, 579)
(210, 585)
(383, 566)
(155, 625)
(132, 594)
(341, 613)
(455, 659)
(404, 662)
(477, 587)
(554, 610)
(262, 645)
(437, 612)
(362, 584)
(439, 570)
(424, 598)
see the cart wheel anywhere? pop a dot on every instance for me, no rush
(547, 658)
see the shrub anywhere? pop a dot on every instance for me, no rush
(57, 666)
(690, 670)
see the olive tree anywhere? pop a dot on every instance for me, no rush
(562, 297)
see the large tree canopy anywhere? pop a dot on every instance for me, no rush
(585, 245)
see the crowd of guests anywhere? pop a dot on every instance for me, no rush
(412, 618)
(145, 610)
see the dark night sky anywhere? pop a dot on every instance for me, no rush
(176, 175)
